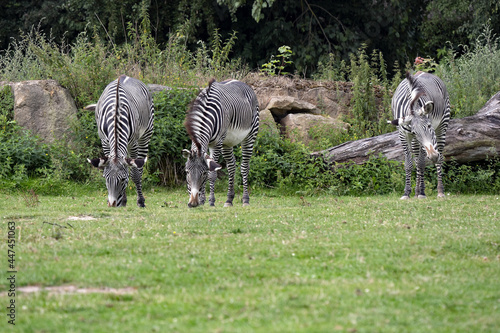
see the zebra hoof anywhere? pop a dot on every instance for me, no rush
(404, 197)
(441, 195)
(420, 196)
(228, 204)
(246, 204)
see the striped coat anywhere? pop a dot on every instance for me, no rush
(124, 116)
(421, 110)
(222, 116)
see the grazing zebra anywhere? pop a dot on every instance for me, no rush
(124, 116)
(421, 108)
(223, 115)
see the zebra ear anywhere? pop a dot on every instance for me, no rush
(400, 121)
(212, 165)
(90, 107)
(394, 122)
(98, 162)
(428, 107)
(136, 162)
(186, 153)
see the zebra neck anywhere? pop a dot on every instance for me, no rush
(202, 132)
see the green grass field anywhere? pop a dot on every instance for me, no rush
(284, 264)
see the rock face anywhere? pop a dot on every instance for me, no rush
(266, 121)
(156, 88)
(280, 106)
(298, 106)
(297, 126)
(44, 107)
(329, 98)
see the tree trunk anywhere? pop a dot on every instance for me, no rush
(468, 139)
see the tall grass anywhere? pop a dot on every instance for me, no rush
(89, 64)
(474, 76)
(86, 66)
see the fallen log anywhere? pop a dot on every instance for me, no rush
(468, 139)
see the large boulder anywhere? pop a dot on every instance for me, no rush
(298, 126)
(156, 88)
(44, 107)
(267, 122)
(329, 97)
(280, 106)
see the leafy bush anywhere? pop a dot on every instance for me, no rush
(169, 136)
(472, 178)
(474, 76)
(22, 153)
(332, 70)
(277, 64)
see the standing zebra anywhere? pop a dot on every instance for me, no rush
(421, 108)
(124, 116)
(223, 115)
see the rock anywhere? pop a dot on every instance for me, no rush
(330, 97)
(280, 106)
(156, 88)
(267, 122)
(44, 107)
(297, 126)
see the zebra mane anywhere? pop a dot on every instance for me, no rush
(116, 116)
(415, 89)
(192, 119)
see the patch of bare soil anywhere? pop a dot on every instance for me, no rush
(81, 218)
(70, 289)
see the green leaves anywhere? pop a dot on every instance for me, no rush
(282, 60)
(169, 136)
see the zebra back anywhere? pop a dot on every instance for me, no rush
(413, 92)
(124, 115)
(219, 108)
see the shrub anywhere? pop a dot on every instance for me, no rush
(474, 76)
(169, 136)
(22, 153)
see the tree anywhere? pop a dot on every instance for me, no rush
(458, 22)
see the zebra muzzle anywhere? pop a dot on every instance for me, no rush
(193, 199)
(432, 153)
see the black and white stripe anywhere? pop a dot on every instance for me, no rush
(421, 108)
(124, 116)
(222, 116)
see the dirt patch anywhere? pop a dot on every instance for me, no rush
(81, 218)
(70, 289)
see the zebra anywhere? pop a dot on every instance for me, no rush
(421, 110)
(124, 116)
(222, 116)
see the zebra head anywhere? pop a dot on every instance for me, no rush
(197, 167)
(417, 123)
(116, 174)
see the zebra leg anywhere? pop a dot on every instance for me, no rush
(246, 154)
(440, 186)
(231, 168)
(440, 136)
(136, 177)
(212, 176)
(124, 198)
(420, 183)
(408, 171)
(202, 195)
